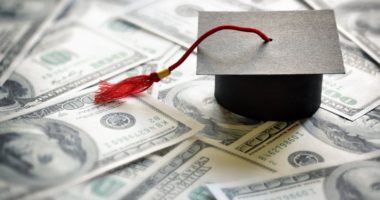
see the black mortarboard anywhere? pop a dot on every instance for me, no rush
(278, 80)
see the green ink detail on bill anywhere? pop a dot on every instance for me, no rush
(338, 96)
(177, 73)
(201, 193)
(120, 26)
(109, 59)
(56, 57)
(105, 187)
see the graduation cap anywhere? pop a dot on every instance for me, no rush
(258, 78)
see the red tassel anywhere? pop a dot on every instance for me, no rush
(133, 85)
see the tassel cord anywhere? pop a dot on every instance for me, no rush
(133, 85)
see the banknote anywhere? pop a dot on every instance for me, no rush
(103, 17)
(357, 20)
(183, 173)
(322, 138)
(68, 59)
(352, 94)
(177, 20)
(130, 34)
(75, 140)
(354, 180)
(196, 99)
(110, 185)
(22, 24)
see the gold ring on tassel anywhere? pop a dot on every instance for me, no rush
(163, 73)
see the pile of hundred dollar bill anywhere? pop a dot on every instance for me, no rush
(174, 141)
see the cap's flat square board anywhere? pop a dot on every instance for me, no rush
(304, 42)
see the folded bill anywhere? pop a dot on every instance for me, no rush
(22, 25)
(353, 94)
(74, 140)
(69, 59)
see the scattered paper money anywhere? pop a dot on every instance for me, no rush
(22, 24)
(77, 139)
(57, 144)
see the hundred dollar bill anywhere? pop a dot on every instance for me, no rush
(357, 20)
(354, 180)
(68, 59)
(196, 99)
(183, 173)
(74, 140)
(110, 185)
(130, 34)
(22, 24)
(177, 20)
(356, 92)
(127, 33)
(323, 138)
(102, 16)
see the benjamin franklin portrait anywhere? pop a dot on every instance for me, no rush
(359, 136)
(196, 99)
(38, 152)
(354, 181)
(14, 90)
